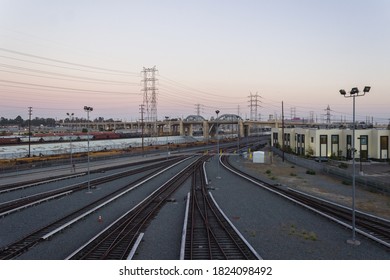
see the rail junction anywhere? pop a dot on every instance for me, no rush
(112, 219)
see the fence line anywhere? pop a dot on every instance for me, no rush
(365, 181)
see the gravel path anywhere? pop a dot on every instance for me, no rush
(322, 185)
(279, 229)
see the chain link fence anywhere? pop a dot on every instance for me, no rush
(379, 184)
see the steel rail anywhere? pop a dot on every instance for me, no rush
(210, 234)
(23, 244)
(116, 240)
(9, 207)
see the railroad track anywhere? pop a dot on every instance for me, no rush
(209, 234)
(373, 227)
(116, 241)
(23, 244)
(9, 207)
(32, 183)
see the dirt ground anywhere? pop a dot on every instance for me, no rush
(325, 186)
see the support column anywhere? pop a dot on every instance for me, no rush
(241, 128)
(181, 128)
(206, 130)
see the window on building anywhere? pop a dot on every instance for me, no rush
(275, 138)
(349, 140)
(363, 139)
(384, 142)
(335, 139)
(323, 139)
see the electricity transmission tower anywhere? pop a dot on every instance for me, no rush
(198, 108)
(253, 105)
(142, 110)
(328, 115)
(150, 93)
(150, 100)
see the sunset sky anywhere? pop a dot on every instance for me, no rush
(58, 56)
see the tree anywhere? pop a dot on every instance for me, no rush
(19, 121)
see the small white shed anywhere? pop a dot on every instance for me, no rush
(258, 157)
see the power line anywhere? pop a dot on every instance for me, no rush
(66, 88)
(68, 63)
(77, 79)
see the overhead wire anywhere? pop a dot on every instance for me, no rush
(67, 88)
(69, 63)
(76, 79)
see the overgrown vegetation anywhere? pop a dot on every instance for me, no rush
(307, 235)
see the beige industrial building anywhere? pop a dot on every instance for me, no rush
(370, 143)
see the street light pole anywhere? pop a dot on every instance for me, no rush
(354, 93)
(218, 175)
(88, 109)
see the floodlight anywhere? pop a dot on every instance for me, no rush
(366, 89)
(342, 92)
(354, 90)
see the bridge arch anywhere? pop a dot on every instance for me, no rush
(229, 117)
(194, 118)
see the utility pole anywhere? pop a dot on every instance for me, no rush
(29, 130)
(282, 132)
(88, 110)
(142, 125)
(70, 116)
(218, 175)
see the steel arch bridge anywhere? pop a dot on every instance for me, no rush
(194, 118)
(229, 117)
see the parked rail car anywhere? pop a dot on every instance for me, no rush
(9, 140)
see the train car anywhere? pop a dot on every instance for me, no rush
(9, 140)
(105, 135)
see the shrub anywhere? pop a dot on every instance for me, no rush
(310, 172)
